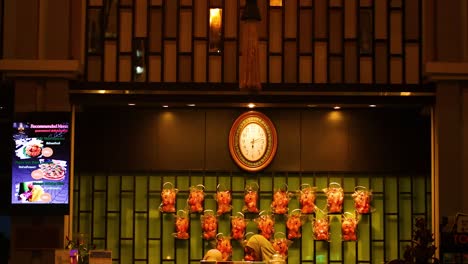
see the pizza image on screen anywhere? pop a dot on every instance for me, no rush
(53, 169)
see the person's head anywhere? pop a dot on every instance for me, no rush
(259, 248)
(213, 255)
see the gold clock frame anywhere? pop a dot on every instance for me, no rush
(271, 135)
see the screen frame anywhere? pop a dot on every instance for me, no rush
(37, 208)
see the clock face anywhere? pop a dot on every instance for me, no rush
(252, 141)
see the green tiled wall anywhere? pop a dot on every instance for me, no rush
(121, 213)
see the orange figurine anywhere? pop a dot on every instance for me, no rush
(209, 224)
(349, 227)
(362, 199)
(223, 244)
(196, 198)
(224, 199)
(335, 196)
(251, 198)
(238, 225)
(280, 201)
(281, 244)
(265, 223)
(168, 198)
(293, 224)
(182, 225)
(307, 198)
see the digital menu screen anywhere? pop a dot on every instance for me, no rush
(41, 161)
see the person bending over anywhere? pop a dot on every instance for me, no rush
(258, 248)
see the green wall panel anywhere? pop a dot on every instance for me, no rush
(121, 212)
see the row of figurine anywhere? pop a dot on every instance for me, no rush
(265, 223)
(306, 194)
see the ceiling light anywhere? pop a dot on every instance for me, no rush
(311, 105)
(251, 105)
(405, 93)
(372, 105)
(165, 106)
(336, 107)
(190, 104)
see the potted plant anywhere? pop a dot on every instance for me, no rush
(421, 250)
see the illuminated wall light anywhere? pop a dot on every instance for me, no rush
(165, 106)
(251, 105)
(139, 70)
(336, 107)
(215, 29)
(405, 93)
(131, 104)
(276, 2)
(191, 105)
(372, 105)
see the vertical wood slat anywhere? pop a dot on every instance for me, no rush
(395, 32)
(320, 62)
(351, 62)
(170, 16)
(305, 34)
(201, 16)
(230, 18)
(320, 19)
(110, 61)
(350, 18)
(305, 69)
(230, 61)
(412, 63)
(275, 69)
(94, 68)
(125, 68)
(154, 68)
(276, 24)
(381, 63)
(156, 2)
(214, 68)
(263, 57)
(185, 31)
(141, 17)
(381, 19)
(95, 2)
(336, 32)
(170, 61)
(412, 19)
(396, 75)
(290, 18)
(200, 57)
(336, 66)
(155, 35)
(365, 70)
(290, 62)
(125, 36)
(185, 66)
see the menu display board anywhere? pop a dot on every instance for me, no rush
(41, 161)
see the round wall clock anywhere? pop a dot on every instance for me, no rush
(253, 141)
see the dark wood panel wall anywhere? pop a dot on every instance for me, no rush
(300, 41)
(309, 140)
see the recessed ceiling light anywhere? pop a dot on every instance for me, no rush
(165, 106)
(251, 105)
(336, 107)
(311, 105)
(131, 104)
(405, 93)
(372, 105)
(190, 104)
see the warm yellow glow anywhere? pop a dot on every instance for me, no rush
(276, 2)
(251, 105)
(335, 116)
(215, 18)
(405, 93)
(336, 107)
